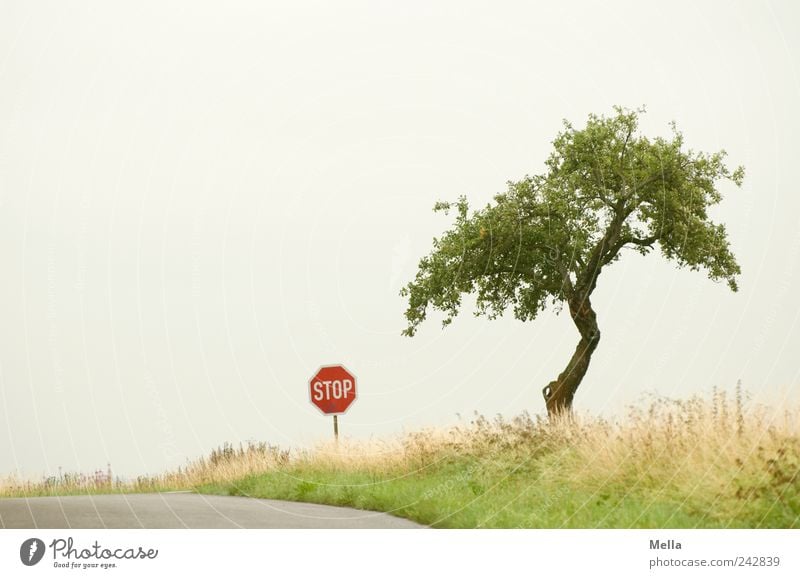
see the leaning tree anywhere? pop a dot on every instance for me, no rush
(546, 240)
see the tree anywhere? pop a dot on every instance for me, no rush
(546, 240)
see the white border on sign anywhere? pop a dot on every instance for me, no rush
(355, 386)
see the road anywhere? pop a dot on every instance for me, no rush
(183, 510)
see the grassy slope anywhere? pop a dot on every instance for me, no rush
(225, 463)
(468, 493)
(676, 464)
(679, 465)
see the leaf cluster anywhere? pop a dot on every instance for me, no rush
(547, 237)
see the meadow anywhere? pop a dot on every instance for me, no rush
(713, 462)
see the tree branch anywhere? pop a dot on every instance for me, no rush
(625, 240)
(567, 282)
(607, 247)
(624, 148)
(642, 242)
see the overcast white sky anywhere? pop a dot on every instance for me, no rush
(201, 203)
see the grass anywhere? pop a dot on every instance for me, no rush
(223, 464)
(697, 463)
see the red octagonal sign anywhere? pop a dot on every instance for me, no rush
(332, 389)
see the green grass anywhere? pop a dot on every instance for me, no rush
(469, 493)
(224, 463)
(71, 487)
(675, 464)
(652, 473)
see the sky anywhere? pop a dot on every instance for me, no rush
(201, 203)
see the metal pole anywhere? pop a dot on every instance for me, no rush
(336, 428)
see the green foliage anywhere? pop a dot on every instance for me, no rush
(546, 238)
(676, 464)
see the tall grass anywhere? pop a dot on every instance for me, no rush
(701, 462)
(63, 482)
(223, 464)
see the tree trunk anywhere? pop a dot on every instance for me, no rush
(558, 394)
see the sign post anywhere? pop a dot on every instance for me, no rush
(332, 390)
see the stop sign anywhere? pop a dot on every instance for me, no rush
(332, 389)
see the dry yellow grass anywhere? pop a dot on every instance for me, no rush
(223, 464)
(683, 437)
(701, 462)
(711, 458)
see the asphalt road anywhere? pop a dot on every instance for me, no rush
(183, 510)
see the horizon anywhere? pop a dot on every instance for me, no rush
(199, 209)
